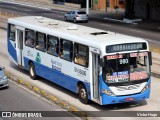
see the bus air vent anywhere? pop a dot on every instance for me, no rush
(73, 27)
(99, 33)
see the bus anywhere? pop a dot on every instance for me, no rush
(98, 65)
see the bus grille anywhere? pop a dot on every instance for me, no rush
(130, 87)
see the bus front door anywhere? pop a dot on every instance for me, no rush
(95, 76)
(19, 46)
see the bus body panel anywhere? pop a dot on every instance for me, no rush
(12, 51)
(113, 100)
(54, 69)
(55, 76)
(56, 63)
(138, 96)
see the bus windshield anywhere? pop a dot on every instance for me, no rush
(126, 67)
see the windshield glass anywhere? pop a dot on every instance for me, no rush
(126, 67)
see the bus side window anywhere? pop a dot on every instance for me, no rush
(81, 53)
(29, 37)
(12, 29)
(66, 50)
(41, 41)
(52, 45)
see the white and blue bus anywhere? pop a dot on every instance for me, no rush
(98, 65)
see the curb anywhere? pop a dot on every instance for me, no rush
(63, 104)
(155, 50)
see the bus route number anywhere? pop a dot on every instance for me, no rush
(123, 61)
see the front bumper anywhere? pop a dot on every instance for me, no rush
(81, 19)
(121, 99)
(4, 83)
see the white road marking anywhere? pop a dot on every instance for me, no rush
(114, 20)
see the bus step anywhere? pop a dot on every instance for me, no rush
(20, 66)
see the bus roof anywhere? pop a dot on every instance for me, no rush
(77, 33)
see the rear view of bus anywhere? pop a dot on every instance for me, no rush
(126, 73)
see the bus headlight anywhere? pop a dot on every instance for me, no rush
(145, 88)
(108, 92)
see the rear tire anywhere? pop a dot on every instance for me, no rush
(65, 18)
(82, 94)
(74, 20)
(32, 71)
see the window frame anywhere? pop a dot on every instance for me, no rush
(76, 48)
(57, 47)
(37, 41)
(9, 36)
(33, 39)
(61, 50)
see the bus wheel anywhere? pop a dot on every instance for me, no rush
(32, 71)
(82, 94)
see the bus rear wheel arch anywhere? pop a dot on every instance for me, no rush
(32, 71)
(82, 94)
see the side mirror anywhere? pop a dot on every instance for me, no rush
(150, 57)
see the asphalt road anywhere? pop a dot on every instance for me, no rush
(16, 98)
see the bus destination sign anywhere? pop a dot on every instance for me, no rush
(126, 47)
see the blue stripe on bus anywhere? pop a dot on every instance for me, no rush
(55, 76)
(12, 51)
(121, 99)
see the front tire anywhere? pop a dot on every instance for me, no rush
(32, 71)
(82, 94)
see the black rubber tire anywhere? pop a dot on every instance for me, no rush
(65, 18)
(74, 20)
(82, 94)
(32, 71)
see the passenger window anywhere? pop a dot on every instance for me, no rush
(53, 45)
(81, 54)
(66, 50)
(29, 38)
(41, 41)
(12, 29)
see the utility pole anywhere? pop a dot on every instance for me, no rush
(87, 6)
(129, 10)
